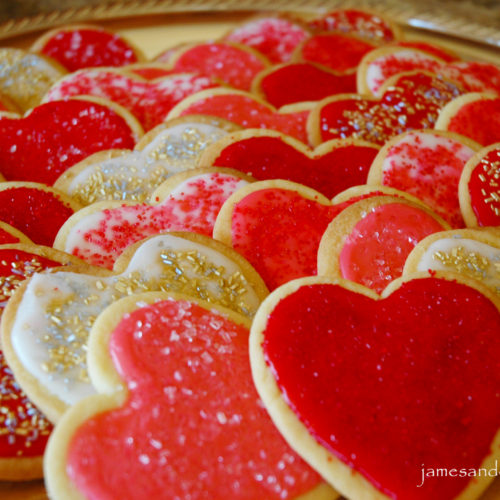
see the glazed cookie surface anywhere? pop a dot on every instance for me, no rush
(397, 399)
(46, 328)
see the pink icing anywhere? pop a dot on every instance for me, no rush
(232, 64)
(192, 206)
(375, 251)
(428, 167)
(193, 425)
(149, 102)
(274, 37)
(249, 113)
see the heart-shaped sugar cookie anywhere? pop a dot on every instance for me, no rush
(189, 201)
(409, 101)
(421, 395)
(54, 136)
(177, 404)
(331, 168)
(479, 188)
(85, 46)
(149, 101)
(246, 110)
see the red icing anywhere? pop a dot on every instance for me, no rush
(193, 208)
(375, 251)
(303, 82)
(354, 22)
(272, 158)
(55, 136)
(278, 232)
(148, 101)
(479, 120)
(484, 189)
(36, 213)
(151, 72)
(249, 113)
(85, 48)
(335, 51)
(193, 425)
(274, 37)
(429, 167)
(23, 429)
(392, 386)
(412, 103)
(474, 76)
(7, 237)
(231, 64)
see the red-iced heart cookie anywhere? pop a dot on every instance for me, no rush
(178, 412)
(331, 168)
(189, 201)
(149, 101)
(427, 164)
(380, 64)
(232, 63)
(23, 429)
(336, 51)
(275, 37)
(409, 101)
(35, 209)
(277, 226)
(474, 115)
(362, 23)
(300, 82)
(25, 77)
(479, 188)
(374, 428)
(369, 241)
(246, 110)
(56, 135)
(79, 46)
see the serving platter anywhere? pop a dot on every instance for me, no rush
(155, 26)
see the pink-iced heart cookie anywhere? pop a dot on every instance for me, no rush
(409, 101)
(24, 430)
(246, 110)
(299, 82)
(54, 136)
(364, 24)
(25, 77)
(475, 115)
(35, 210)
(369, 241)
(177, 404)
(427, 164)
(274, 36)
(84, 46)
(380, 64)
(234, 64)
(149, 101)
(189, 201)
(336, 51)
(479, 188)
(374, 428)
(331, 168)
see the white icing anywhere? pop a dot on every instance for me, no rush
(490, 276)
(173, 150)
(33, 324)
